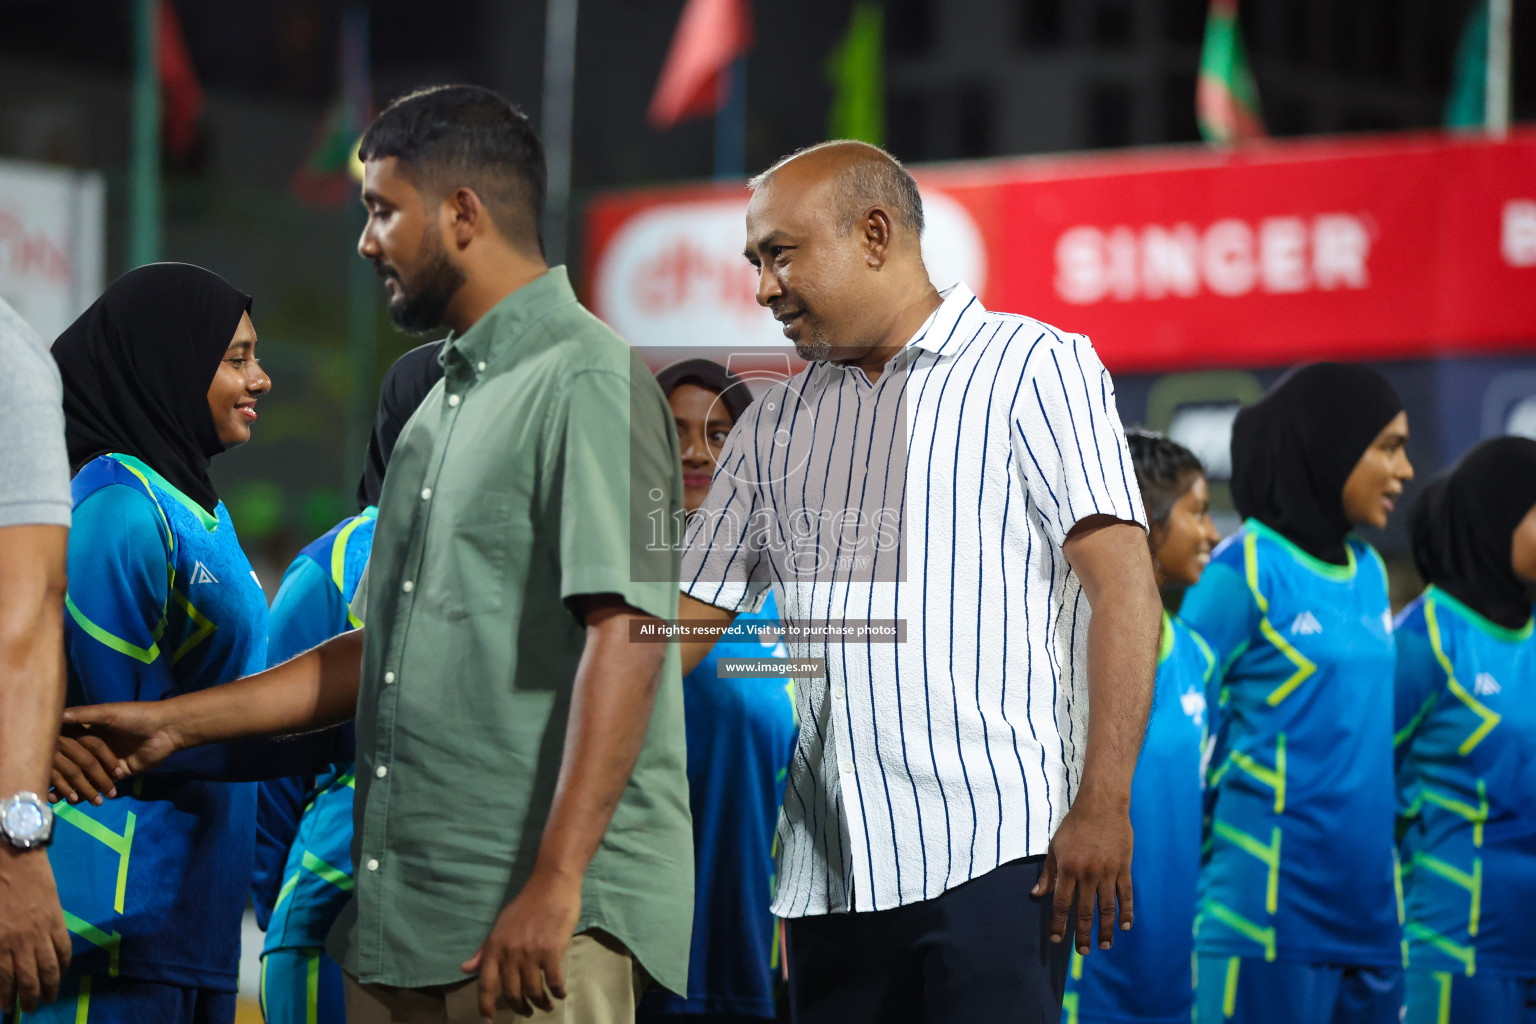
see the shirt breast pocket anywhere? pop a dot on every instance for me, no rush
(478, 553)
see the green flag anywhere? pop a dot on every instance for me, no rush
(1226, 98)
(1464, 107)
(856, 72)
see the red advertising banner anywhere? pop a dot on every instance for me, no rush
(1378, 248)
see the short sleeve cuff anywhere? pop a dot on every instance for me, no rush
(658, 599)
(35, 513)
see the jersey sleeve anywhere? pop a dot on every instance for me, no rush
(1417, 681)
(119, 589)
(1222, 610)
(307, 611)
(1068, 442)
(611, 451)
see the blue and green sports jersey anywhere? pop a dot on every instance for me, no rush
(1298, 861)
(311, 606)
(314, 862)
(161, 601)
(1145, 976)
(1466, 743)
(741, 735)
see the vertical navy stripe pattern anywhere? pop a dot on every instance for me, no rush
(939, 495)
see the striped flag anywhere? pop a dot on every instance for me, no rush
(1226, 98)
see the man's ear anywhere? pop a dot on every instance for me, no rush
(877, 237)
(464, 216)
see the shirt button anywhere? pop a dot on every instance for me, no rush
(453, 400)
(381, 771)
(426, 494)
(373, 864)
(480, 366)
(389, 677)
(837, 693)
(847, 767)
(408, 586)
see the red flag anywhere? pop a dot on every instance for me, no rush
(695, 80)
(182, 93)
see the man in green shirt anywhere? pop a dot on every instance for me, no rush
(520, 761)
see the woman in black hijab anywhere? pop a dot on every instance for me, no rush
(1466, 740)
(1320, 454)
(1465, 530)
(137, 365)
(160, 375)
(1295, 607)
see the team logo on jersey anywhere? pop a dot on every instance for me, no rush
(1306, 624)
(1485, 685)
(1193, 703)
(200, 574)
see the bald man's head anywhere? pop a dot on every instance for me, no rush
(834, 234)
(859, 177)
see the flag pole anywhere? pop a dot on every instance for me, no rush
(731, 125)
(1496, 101)
(559, 114)
(144, 166)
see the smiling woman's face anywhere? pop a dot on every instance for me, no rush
(237, 383)
(703, 423)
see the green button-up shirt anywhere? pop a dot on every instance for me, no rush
(531, 474)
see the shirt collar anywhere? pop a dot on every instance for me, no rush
(940, 327)
(505, 323)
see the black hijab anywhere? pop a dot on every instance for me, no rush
(1461, 528)
(710, 376)
(137, 366)
(1293, 449)
(406, 383)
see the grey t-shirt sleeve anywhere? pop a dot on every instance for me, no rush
(34, 468)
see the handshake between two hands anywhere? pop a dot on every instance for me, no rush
(101, 745)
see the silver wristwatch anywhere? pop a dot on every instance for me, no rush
(26, 821)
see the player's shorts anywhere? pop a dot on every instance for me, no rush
(1446, 997)
(84, 999)
(301, 986)
(1249, 990)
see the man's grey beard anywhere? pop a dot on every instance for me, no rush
(815, 349)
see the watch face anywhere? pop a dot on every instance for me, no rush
(23, 820)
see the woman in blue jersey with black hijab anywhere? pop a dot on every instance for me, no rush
(304, 824)
(1146, 976)
(741, 735)
(160, 375)
(1298, 913)
(1466, 742)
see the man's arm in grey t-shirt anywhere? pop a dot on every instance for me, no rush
(34, 531)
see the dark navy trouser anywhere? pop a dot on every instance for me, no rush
(978, 954)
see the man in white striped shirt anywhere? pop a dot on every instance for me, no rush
(961, 476)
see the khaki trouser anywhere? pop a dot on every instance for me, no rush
(603, 985)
